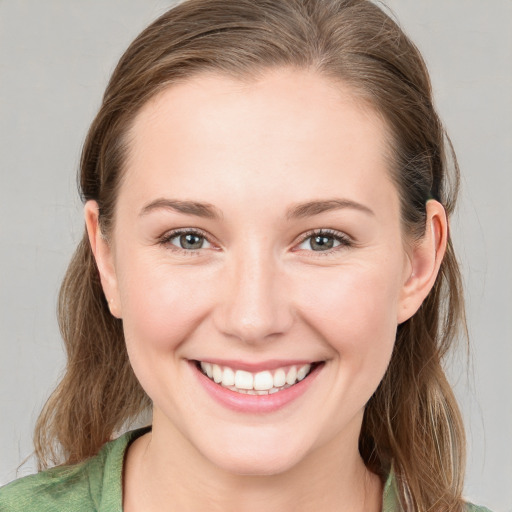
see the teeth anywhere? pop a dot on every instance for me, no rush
(261, 383)
(291, 376)
(279, 378)
(217, 373)
(207, 368)
(228, 377)
(303, 371)
(243, 380)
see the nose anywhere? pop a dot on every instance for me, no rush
(254, 305)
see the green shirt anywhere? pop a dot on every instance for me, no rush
(96, 485)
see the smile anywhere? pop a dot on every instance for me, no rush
(238, 385)
(261, 383)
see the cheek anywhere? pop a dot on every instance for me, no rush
(162, 307)
(161, 304)
(354, 308)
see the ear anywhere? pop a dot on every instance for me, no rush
(425, 260)
(104, 257)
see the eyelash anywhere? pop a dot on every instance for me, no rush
(166, 240)
(344, 240)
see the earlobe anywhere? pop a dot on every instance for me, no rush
(425, 260)
(104, 257)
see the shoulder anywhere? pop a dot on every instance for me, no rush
(473, 508)
(48, 491)
(390, 501)
(95, 484)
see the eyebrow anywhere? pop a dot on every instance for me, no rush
(298, 211)
(205, 210)
(312, 208)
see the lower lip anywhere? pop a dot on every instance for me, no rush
(241, 402)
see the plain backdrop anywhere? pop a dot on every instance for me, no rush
(55, 59)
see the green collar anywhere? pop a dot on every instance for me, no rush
(390, 502)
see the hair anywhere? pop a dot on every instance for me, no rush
(412, 423)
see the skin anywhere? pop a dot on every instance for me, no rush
(257, 290)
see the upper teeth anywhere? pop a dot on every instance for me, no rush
(266, 381)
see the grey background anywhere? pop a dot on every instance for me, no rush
(55, 59)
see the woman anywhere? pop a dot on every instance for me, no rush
(267, 266)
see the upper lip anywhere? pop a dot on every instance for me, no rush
(254, 367)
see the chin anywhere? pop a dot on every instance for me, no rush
(256, 458)
(256, 465)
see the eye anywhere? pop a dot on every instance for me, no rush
(186, 240)
(324, 241)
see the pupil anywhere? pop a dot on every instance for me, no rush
(191, 241)
(322, 242)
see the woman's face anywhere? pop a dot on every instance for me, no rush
(258, 232)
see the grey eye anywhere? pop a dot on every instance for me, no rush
(321, 242)
(190, 241)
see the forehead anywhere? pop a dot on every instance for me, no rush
(289, 129)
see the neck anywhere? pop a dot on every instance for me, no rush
(164, 472)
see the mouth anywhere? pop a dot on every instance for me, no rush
(265, 382)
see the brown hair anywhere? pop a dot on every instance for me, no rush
(412, 421)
